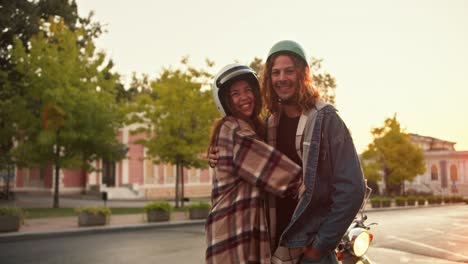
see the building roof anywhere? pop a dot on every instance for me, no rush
(432, 143)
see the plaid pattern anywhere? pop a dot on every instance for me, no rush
(237, 229)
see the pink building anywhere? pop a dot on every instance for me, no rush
(130, 178)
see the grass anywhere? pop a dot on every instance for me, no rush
(34, 213)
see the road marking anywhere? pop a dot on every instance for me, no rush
(445, 233)
(428, 246)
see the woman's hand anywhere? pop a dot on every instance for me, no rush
(213, 157)
(293, 187)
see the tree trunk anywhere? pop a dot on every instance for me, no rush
(57, 172)
(83, 175)
(177, 186)
(386, 181)
(182, 182)
(403, 192)
(7, 190)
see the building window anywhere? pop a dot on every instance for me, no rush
(434, 173)
(453, 173)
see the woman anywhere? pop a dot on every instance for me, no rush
(237, 229)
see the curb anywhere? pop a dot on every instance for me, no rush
(32, 235)
(14, 237)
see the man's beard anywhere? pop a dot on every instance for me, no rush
(289, 101)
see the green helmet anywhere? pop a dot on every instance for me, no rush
(288, 46)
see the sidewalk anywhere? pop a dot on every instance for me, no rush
(53, 227)
(60, 226)
(63, 226)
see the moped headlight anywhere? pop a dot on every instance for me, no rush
(360, 241)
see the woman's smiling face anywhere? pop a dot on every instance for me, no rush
(242, 98)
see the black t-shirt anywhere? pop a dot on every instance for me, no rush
(286, 143)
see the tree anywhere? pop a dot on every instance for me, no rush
(177, 121)
(19, 21)
(324, 82)
(72, 117)
(257, 65)
(393, 154)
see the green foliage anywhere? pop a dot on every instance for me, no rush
(371, 171)
(434, 199)
(386, 201)
(421, 200)
(176, 123)
(400, 200)
(175, 118)
(392, 153)
(456, 199)
(94, 210)
(324, 81)
(158, 206)
(34, 213)
(376, 202)
(70, 117)
(257, 65)
(199, 204)
(21, 20)
(12, 211)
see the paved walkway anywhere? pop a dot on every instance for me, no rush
(66, 225)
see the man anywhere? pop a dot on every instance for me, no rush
(310, 133)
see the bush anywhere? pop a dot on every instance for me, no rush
(400, 201)
(411, 200)
(158, 206)
(12, 211)
(199, 210)
(421, 200)
(456, 199)
(447, 199)
(386, 202)
(376, 202)
(200, 204)
(434, 200)
(11, 218)
(94, 210)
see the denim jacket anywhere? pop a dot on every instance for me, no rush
(333, 188)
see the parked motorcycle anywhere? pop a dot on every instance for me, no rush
(355, 243)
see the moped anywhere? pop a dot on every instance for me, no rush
(355, 243)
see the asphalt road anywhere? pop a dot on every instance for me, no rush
(438, 232)
(430, 235)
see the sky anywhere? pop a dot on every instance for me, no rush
(408, 57)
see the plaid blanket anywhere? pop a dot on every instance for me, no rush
(237, 227)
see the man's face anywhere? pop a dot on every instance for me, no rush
(284, 77)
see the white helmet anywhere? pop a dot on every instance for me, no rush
(227, 76)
